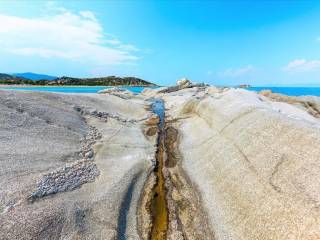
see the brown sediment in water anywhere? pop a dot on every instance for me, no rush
(151, 131)
(159, 209)
(171, 207)
(171, 135)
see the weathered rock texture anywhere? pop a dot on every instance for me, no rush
(72, 166)
(310, 104)
(236, 164)
(66, 178)
(254, 160)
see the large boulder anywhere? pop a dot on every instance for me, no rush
(117, 91)
(184, 82)
(181, 84)
(111, 90)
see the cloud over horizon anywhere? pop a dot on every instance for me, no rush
(236, 72)
(76, 37)
(301, 65)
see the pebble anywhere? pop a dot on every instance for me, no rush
(89, 154)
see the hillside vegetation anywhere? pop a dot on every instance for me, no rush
(101, 81)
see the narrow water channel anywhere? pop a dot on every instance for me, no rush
(159, 209)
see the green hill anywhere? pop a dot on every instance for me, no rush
(69, 81)
(102, 81)
(9, 79)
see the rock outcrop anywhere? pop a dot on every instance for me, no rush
(227, 164)
(72, 166)
(184, 82)
(181, 84)
(254, 160)
(310, 104)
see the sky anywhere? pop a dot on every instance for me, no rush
(262, 43)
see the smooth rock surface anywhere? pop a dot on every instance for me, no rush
(255, 162)
(46, 146)
(238, 164)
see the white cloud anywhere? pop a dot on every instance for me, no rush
(302, 65)
(89, 15)
(128, 47)
(236, 72)
(77, 37)
(52, 6)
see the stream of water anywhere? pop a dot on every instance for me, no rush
(159, 209)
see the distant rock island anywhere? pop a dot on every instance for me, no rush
(244, 86)
(35, 79)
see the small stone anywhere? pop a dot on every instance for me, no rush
(89, 154)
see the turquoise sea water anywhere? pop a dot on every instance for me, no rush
(291, 91)
(73, 89)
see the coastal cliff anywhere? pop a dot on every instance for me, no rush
(227, 164)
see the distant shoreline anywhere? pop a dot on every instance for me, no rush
(30, 85)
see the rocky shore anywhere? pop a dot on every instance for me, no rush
(234, 164)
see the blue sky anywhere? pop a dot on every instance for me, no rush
(263, 43)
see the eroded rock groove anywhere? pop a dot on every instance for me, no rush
(159, 205)
(172, 202)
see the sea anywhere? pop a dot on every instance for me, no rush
(72, 89)
(291, 91)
